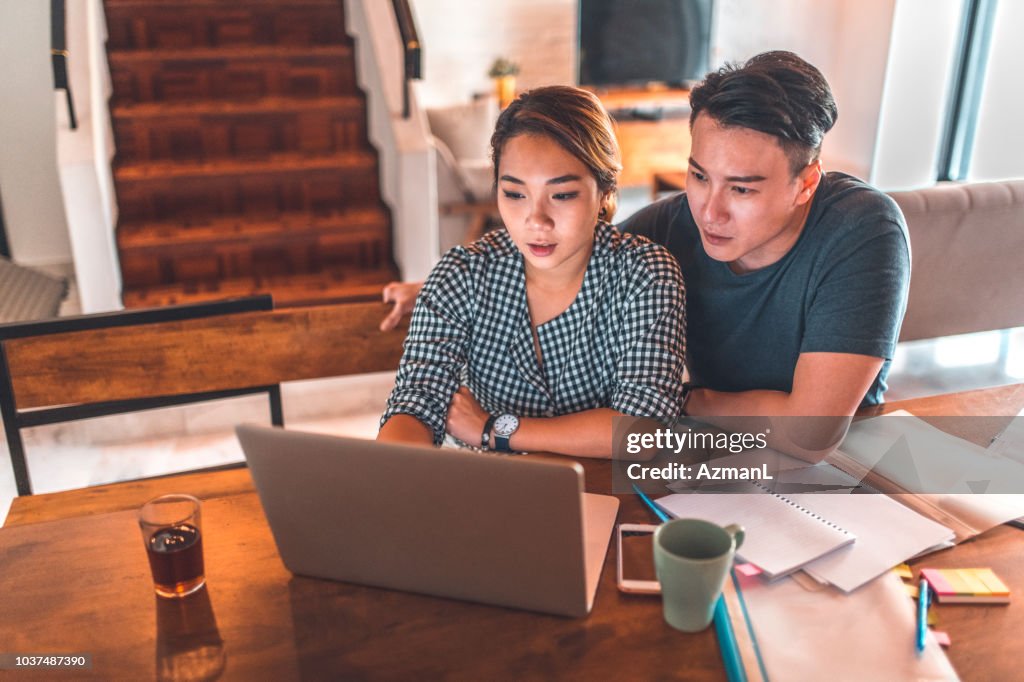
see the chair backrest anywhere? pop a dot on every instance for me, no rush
(96, 365)
(966, 241)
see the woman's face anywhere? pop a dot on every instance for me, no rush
(549, 202)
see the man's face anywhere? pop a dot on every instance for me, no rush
(743, 196)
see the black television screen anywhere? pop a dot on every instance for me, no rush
(623, 42)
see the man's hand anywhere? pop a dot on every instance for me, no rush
(403, 295)
(466, 419)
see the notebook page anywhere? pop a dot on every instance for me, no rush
(887, 534)
(780, 536)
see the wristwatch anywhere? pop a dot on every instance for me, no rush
(485, 437)
(504, 427)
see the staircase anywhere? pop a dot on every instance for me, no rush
(243, 164)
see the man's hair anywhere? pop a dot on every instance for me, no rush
(776, 93)
(577, 121)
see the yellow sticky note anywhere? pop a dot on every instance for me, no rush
(904, 572)
(992, 582)
(974, 583)
(911, 589)
(957, 582)
(933, 617)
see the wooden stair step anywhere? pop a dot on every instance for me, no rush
(140, 24)
(156, 112)
(184, 5)
(336, 285)
(199, 56)
(231, 73)
(275, 164)
(258, 190)
(351, 224)
(265, 249)
(218, 129)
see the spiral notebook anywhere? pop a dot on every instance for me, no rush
(781, 535)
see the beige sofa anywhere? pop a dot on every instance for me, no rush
(967, 250)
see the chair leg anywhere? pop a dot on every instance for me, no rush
(18, 463)
(12, 429)
(276, 407)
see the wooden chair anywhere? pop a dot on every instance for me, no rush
(95, 365)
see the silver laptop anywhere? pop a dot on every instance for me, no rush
(508, 531)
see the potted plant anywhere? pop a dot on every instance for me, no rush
(504, 72)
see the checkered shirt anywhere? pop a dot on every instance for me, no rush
(620, 344)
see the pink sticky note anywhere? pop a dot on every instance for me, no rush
(941, 637)
(749, 570)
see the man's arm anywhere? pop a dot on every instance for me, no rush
(403, 295)
(824, 385)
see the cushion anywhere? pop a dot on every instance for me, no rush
(466, 128)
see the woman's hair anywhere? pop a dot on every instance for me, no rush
(577, 121)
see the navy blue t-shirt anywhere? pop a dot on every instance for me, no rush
(842, 288)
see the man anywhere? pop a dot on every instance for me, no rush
(796, 279)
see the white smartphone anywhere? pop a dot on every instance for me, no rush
(635, 556)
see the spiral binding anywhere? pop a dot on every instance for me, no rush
(805, 510)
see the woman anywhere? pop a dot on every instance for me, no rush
(534, 337)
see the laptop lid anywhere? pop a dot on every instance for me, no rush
(508, 531)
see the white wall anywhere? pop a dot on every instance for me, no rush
(917, 84)
(999, 143)
(462, 37)
(848, 41)
(32, 203)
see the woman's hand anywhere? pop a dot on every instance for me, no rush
(403, 295)
(466, 419)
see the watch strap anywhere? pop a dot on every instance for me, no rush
(501, 443)
(485, 437)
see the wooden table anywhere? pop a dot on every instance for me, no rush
(75, 579)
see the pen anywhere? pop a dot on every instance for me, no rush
(653, 507)
(922, 613)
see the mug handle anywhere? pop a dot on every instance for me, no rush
(737, 533)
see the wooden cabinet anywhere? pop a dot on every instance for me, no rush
(653, 127)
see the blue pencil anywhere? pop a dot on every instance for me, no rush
(727, 643)
(653, 507)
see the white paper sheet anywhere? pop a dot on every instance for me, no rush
(887, 534)
(827, 635)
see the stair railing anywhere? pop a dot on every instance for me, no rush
(411, 49)
(59, 55)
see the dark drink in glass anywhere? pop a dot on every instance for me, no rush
(172, 533)
(176, 559)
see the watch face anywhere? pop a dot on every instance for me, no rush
(506, 425)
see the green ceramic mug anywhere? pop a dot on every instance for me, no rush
(692, 558)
